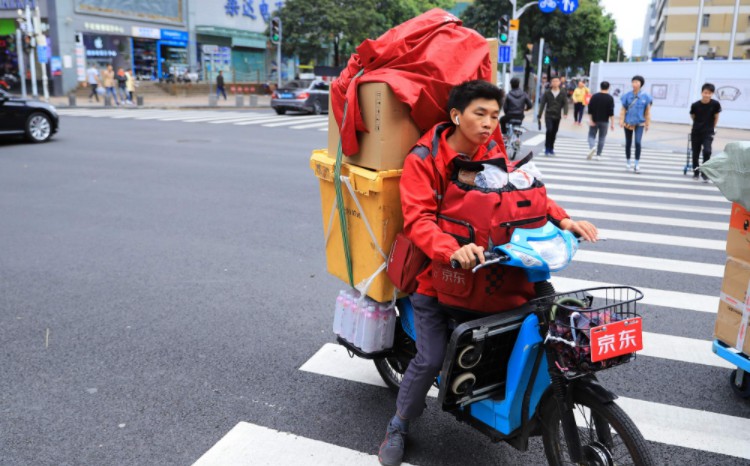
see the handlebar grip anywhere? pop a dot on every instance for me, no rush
(488, 255)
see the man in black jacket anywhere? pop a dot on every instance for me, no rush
(555, 101)
(601, 113)
(516, 103)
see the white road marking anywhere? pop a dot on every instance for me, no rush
(538, 139)
(685, 427)
(318, 119)
(669, 240)
(650, 263)
(313, 125)
(651, 296)
(617, 177)
(262, 120)
(628, 203)
(253, 445)
(664, 222)
(657, 345)
(638, 193)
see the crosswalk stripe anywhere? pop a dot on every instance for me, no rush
(313, 125)
(651, 296)
(668, 240)
(296, 120)
(657, 345)
(198, 118)
(583, 144)
(538, 139)
(634, 181)
(262, 120)
(647, 219)
(239, 119)
(650, 263)
(610, 166)
(596, 170)
(637, 192)
(631, 204)
(685, 427)
(253, 445)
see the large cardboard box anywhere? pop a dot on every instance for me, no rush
(392, 133)
(738, 237)
(734, 307)
(378, 195)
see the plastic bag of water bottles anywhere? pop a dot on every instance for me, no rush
(364, 323)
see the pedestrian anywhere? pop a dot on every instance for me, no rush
(122, 85)
(130, 85)
(579, 101)
(473, 108)
(108, 77)
(516, 103)
(92, 77)
(635, 117)
(220, 86)
(705, 115)
(601, 118)
(555, 101)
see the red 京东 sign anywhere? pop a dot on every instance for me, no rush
(616, 339)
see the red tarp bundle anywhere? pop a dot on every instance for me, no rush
(421, 60)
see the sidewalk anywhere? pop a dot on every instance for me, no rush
(663, 136)
(168, 102)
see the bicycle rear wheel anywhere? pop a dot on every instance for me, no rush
(608, 436)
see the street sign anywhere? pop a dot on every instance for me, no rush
(503, 54)
(513, 43)
(568, 6)
(547, 6)
(515, 24)
(210, 49)
(43, 53)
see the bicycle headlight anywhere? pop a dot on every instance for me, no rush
(554, 251)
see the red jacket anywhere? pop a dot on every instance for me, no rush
(426, 174)
(421, 60)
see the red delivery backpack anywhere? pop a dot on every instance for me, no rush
(487, 217)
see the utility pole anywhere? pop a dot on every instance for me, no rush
(32, 64)
(609, 46)
(539, 79)
(275, 32)
(21, 60)
(734, 29)
(698, 31)
(42, 42)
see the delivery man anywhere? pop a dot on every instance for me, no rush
(474, 108)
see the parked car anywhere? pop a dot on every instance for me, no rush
(38, 121)
(305, 95)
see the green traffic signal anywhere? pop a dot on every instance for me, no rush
(503, 38)
(546, 59)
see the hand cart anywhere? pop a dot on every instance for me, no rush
(740, 377)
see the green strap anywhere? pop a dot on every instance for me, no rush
(340, 196)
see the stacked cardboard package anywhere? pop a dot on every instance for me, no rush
(372, 203)
(734, 306)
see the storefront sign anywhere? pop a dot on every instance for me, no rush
(16, 4)
(147, 33)
(247, 8)
(55, 66)
(100, 46)
(104, 28)
(171, 34)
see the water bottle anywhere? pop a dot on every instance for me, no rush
(338, 312)
(347, 315)
(359, 322)
(389, 326)
(370, 334)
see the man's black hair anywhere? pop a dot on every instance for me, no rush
(708, 86)
(515, 83)
(638, 77)
(604, 85)
(463, 94)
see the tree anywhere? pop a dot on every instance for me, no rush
(573, 41)
(312, 27)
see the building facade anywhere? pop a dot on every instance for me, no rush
(672, 26)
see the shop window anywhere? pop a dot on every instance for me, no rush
(706, 20)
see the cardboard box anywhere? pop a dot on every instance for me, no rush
(392, 133)
(379, 196)
(738, 237)
(734, 307)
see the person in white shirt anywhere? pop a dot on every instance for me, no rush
(92, 77)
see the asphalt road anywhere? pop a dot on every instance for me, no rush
(163, 281)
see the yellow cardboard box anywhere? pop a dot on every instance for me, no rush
(738, 237)
(379, 197)
(734, 307)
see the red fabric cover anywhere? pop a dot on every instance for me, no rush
(421, 60)
(418, 185)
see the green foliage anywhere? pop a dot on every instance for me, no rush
(573, 40)
(310, 26)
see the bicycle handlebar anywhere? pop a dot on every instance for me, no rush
(490, 257)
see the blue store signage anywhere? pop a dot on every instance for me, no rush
(16, 4)
(172, 35)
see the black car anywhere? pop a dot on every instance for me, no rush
(305, 95)
(38, 121)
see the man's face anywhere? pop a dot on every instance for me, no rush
(706, 95)
(479, 120)
(636, 85)
(555, 83)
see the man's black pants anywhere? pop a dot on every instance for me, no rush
(698, 141)
(553, 125)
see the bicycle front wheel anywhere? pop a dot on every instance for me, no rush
(608, 436)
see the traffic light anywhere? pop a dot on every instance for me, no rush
(503, 26)
(546, 60)
(275, 30)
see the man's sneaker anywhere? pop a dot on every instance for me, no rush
(636, 169)
(392, 449)
(627, 166)
(591, 153)
(598, 158)
(551, 153)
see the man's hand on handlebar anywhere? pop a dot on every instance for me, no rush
(582, 228)
(467, 255)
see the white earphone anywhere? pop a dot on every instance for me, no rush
(457, 123)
